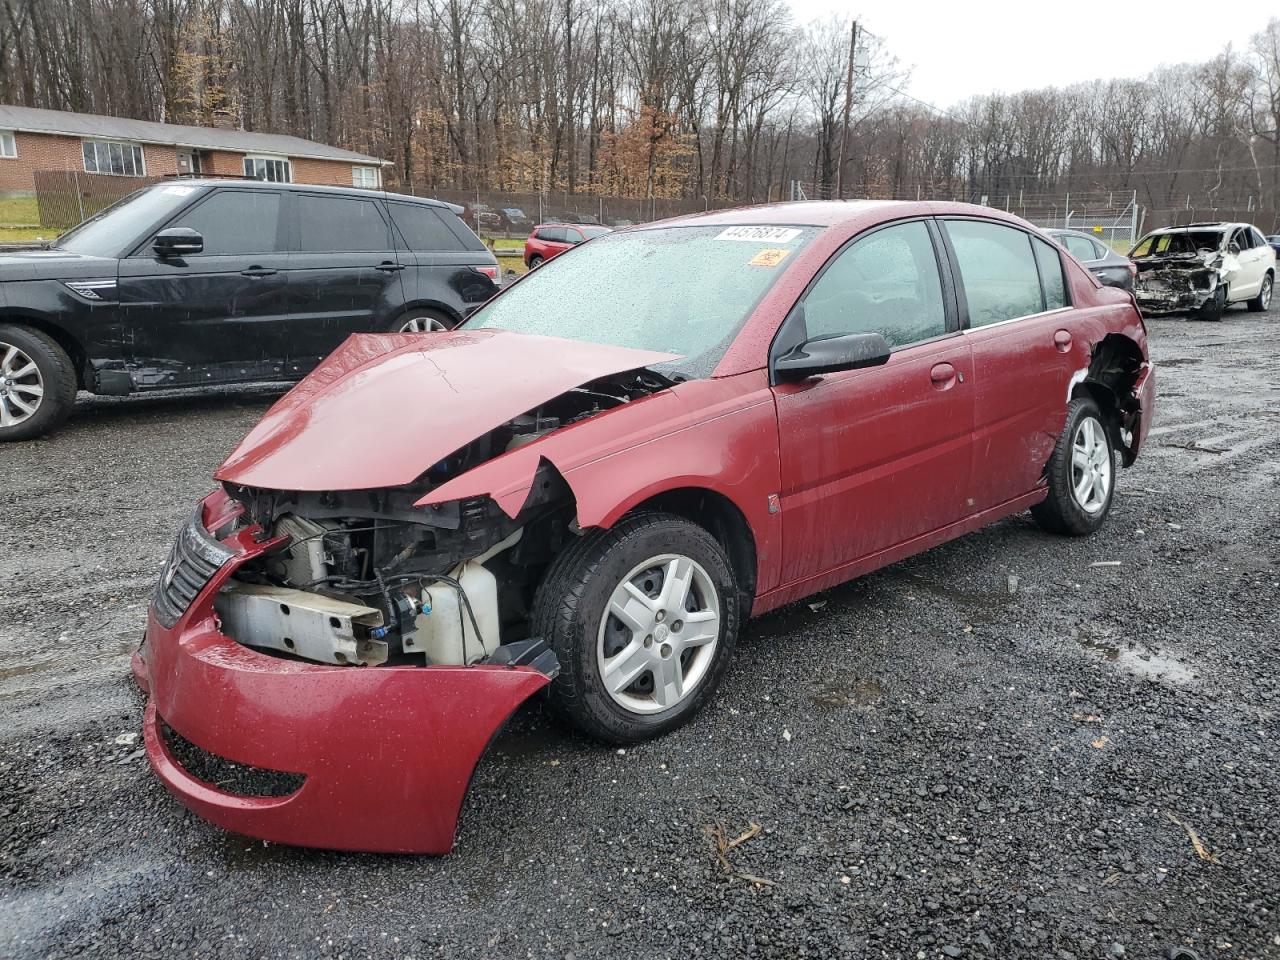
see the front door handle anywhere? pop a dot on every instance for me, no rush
(1062, 340)
(943, 376)
(258, 272)
(388, 267)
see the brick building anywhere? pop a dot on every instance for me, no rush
(32, 139)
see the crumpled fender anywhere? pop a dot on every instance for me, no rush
(718, 434)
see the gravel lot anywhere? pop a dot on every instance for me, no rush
(1000, 748)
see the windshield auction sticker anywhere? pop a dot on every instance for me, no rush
(768, 258)
(757, 234)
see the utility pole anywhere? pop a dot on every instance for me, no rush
(848, 103)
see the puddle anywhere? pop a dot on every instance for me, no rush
(1136, 659)
(847, 692)
(67, 659)
(1178, 362)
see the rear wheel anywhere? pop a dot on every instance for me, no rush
(421, 321)
(37, 383)
(1081, 474)
(535, 262)
(1215, 306)
(643, 619)
(1263, 300)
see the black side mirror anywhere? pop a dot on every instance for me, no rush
(851, 351)
(177, 242)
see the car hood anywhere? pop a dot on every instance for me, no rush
(53, 265)
(383, 408)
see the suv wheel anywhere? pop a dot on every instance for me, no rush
(421, 321)
(535, 262)
(37, 383)
(1081, 474)
(1215, 306)
(1263, 300)
(643, 619)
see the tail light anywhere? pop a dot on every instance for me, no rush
(493, 273)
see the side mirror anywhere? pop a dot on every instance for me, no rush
(850, 351)
(177, 242)
(1233, 249)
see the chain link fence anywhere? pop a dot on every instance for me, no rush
(66, 197)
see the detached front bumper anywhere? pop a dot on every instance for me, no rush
(386, 752)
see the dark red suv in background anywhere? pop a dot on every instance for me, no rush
(548, 239)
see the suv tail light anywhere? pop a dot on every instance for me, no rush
(493, 273)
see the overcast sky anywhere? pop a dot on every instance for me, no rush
(965, 47)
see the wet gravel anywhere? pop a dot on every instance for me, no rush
(1012, 746)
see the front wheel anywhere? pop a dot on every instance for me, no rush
(1213, 308)
(1263, 300)
(1081, 474)
(37, 383)
(643, 619)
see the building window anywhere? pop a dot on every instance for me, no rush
(275, 169)
(8, 145)
(115, 157)
(366, 177)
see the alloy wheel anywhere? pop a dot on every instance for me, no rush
(658, 635)
(1090, 466)
(422, 325)
(21, 386)
(1268, 288)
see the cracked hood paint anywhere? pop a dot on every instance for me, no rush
(383, 408)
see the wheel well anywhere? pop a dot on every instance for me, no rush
(721, 517)
(433, 307)
(79, 359)
(1113, 370)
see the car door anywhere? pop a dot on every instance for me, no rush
(1253, 265)
(441, 258)
(876, 457)
(344, 274)
(1013, 305)
(217, 316)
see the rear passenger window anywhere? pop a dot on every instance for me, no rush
(885, 283)
(1055, 287)
(340, 224)
(234, 222)
(1001, 281)
(422, 228)
(552, 234)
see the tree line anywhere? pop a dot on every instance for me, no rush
(717, 100)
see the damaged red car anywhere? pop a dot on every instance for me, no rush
(591, 484)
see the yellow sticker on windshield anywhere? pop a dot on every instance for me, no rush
(768, 258)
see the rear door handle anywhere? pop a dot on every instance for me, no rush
(388, 267)
(943, 376)
(1062, 340)
(258, 272)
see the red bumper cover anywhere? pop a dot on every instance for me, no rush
(387, 752)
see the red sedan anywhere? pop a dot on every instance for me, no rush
(588, 487)
(548, 239)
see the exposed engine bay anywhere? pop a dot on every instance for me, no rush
(365, 577)
(1184, 273)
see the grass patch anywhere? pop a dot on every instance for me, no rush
(19, 212)
(26, 234)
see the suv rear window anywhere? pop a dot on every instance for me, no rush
(423, 228)
(330, 224)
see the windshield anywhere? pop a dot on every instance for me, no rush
(680, 289)
(1186, 243)
(106, 233)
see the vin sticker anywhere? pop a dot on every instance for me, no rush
(757, 234)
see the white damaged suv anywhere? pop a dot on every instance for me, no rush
(1204, 267)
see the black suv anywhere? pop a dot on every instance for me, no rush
(196, 282)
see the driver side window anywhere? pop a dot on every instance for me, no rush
(884, 283)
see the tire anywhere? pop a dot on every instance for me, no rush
(421, 321)
(1262, 301)
(37, 383)
(535, 262)
(1213, 308)
(1064, 511)
(572, 612)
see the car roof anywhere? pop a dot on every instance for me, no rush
(568, 223)
(241, 183)
(1184, 228)
(831, 213)
(1063, 232)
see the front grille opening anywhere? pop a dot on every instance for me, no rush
(229, 776)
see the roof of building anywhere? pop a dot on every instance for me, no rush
(35, 120)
